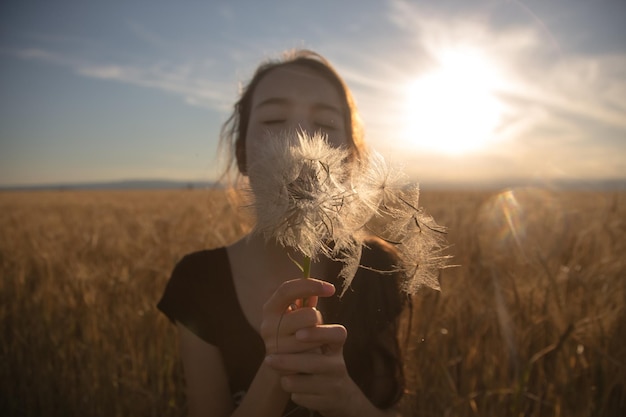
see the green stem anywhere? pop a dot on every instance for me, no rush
(306, 268)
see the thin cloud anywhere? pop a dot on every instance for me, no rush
(149, 37)
(195, 91)
(586, 87)
(180, 80)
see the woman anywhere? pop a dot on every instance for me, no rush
(248, 345)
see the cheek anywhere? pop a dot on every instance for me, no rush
(338, 139)
(253, 143)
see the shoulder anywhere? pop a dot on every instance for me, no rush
(202, 259)
(196, 277)
(379, 255)
(199, 270)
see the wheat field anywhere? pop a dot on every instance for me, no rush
(532, 321)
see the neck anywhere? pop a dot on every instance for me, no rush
(276, 259)
(269, 257)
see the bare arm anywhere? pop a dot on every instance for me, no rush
(208, 393)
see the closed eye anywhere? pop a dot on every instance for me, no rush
(326, 126)
(273, 122)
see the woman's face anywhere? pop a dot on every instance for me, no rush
(292, 98)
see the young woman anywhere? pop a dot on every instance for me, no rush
(248, 345)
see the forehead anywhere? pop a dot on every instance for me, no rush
(296, 84)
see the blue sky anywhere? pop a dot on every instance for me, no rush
(463, 91)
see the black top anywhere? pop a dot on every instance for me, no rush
(201, 295)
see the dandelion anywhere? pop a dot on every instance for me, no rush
(308, 198)
(400, 221)
(301, 194)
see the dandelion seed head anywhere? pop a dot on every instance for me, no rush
(298, 182)
(309, 198)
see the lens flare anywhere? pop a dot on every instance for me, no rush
(512, 225)
(514, 243)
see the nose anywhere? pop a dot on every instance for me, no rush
(305, 126)
(301, 119)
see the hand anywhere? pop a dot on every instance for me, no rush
(319, 380)
(283, 315)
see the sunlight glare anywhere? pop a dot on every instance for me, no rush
(453, 109)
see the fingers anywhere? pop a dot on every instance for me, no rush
(297, 289)
(284, 314)
(331, 337)
(306, 363)
(319, 382)
(296, 320)
(280, 333)
(316, 378)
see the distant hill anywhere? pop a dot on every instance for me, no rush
(570, 184)
(600, 185)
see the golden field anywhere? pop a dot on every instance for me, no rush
(532, 322)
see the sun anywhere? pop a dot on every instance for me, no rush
(454, 109)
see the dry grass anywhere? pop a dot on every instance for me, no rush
(532, 324)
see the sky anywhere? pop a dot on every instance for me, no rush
(455, 91)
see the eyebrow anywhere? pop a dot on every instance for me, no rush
(279, 101)
(272, 101)
(324, 106)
